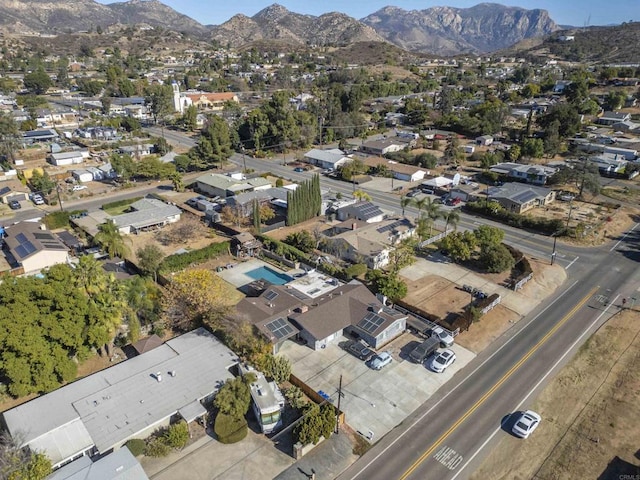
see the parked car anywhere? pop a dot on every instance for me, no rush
(299, 169)
(446, 339)
(424, 350)
(380, 360)
(37, 199)
(77, 188)
(359, 350)
(15, 205)
(413, 193)
(440, 362)
(193, 202)
(428, 191)
(526, 423)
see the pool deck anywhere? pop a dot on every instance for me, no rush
(237, 276)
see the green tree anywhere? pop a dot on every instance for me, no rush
(387, 284)
(614, 100)
(402, 255)
(190, 118)
(317, 421)
(214, 145)
(405, 202)
(361, 196)
(533, 147)
(496, 258)
(278, 368)
(8, 135)
(488, 236)
(161, 146)
(42, 182)
(566, 115)
(150, 258)
(302, 240)
(110, 238)
(234, 397)
(452, 217)
(177, 435)
(460, 245)
(159, 100)
(37, 82)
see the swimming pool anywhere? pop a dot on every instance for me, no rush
(266, 273)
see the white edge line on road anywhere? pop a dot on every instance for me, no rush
(421, 417)
(623, 237)
(573, 345)
(572, 262)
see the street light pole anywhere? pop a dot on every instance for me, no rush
(553, 254)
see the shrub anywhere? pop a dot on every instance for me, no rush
(177, 435)
(180, 261)
(157, 447)
(355, 270)
(317, 422)
(136, 446)
(230, 429)
(295, 397)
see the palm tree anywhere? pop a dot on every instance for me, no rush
(110, 238)
(452, 217)
(420, 204)
(362, 196)
(432, 211)
(404, 203)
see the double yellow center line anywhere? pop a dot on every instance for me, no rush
(497, 385)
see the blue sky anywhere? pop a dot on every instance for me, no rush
(564, 12)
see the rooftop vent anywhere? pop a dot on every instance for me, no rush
(172, 373)
(159, 377)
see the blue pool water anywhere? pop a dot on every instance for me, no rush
(266, 273)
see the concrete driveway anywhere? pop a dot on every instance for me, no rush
(374, 401)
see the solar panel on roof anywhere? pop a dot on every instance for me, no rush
(21, 238)
(391, 226)
(280, 328)
(270, 295)
(371, 322)
(43, 236)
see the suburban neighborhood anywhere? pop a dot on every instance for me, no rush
(261, 262)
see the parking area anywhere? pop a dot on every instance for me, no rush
(374, 402)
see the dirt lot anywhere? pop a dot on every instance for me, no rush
(590, 412)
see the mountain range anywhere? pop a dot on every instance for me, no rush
(438, 30)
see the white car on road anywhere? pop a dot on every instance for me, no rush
(77, 188)
(442, 360)
(526, 423)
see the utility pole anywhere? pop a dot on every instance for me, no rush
(244, 159)
(340, 395)
(553, 254)
(58, 193)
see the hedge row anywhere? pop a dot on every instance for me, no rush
(522, 268)
(120, 203)
(180, 261)
(543, 225)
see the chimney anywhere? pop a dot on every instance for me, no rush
(354, 225)
(159, 377)
(172, 373)
(304, 308)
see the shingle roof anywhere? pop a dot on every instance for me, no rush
(26, 239)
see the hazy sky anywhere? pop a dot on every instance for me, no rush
(564, 12)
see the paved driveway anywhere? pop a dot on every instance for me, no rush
(374, 401)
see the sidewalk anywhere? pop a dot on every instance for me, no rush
(327, 460)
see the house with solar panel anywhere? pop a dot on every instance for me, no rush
(28, 248)
(364, 211)
(371, 243)
(317, 310)
(520, 197)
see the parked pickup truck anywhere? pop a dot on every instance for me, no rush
(425, 349)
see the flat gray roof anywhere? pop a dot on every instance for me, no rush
(118, 402)
(119, 465)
